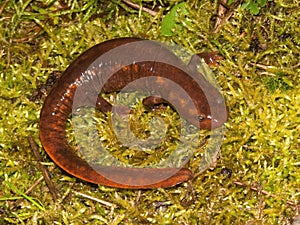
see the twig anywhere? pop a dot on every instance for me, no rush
(289, 202)
(138, 197)
(105, 203)
(43, 169)
(268, 74)
(224, 16)
(221, 14)
(36, 183)
(136, 6)
(3, 6)
(15, 189)
(295, 66)
(264, 67)
(261, 66)
(36, 30)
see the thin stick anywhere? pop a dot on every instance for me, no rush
(265, 67)
(3, 6)
(105, 203)
(261, 66)
(221, 14)
(15, 189)
(224, 16)
(36, 30)
(289, 202)
(43, 169)
(36, 183)
(136, 6)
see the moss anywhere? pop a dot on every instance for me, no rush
(259, 77)
(277, 82)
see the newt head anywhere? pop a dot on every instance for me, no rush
(212, 111)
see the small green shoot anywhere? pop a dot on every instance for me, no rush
(253, 6)
(15, 189)
(170, 21)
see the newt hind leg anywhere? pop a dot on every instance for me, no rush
(154, 102)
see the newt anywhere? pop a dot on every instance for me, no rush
(101, 69)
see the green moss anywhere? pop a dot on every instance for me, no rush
(277, 82)
(259, 77)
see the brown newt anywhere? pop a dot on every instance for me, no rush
(91, 73)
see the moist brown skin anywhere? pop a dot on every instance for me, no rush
(58, 106)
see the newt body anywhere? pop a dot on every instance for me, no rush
(91, 73)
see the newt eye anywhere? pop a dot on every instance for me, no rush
(201, 117)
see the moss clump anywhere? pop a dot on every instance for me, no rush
(277, 82)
